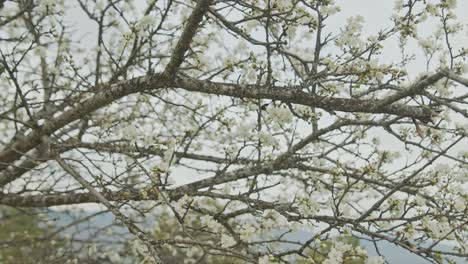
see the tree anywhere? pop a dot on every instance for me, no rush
(24, 240)
(260, 117)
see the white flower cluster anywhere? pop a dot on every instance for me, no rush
(267, 138)
(462, 127)
(49, 6)
(439, 228)
(244, 130)
(192, 254)
(462, 67)
(267, 259)
(145, 23)
(329, 9)
(248, 232)
(227, 240)
(180, 205)
(442, 168)
(336, 253)
(280, 114)
(442, 88)
(350, 36)
(130, 132)
(375, 260)
(460, 203)
(211, 223)
(398, 5)
(432, 9)
(419, 200)
(251, 75)
(282, 4)
(100, 5)
(113, 256)
(138, 248)
(354, 24)
(429, 45)
(451, 3)
(272, 219)
(360, 251)
(307, 207)
(397, 205)
(92, 249)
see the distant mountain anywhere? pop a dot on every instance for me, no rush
(392, 253)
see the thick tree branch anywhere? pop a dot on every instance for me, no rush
(143, 150)
(296, 96)
(98, 100)
(452, 76)
(156, 81)
(185, 39)
(413, 89)
(48, 200)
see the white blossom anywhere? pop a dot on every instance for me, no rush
(442, 168)
(439, 228)
(227, 240)
(336, 253)
(375, 260)
(419, 200)
(147, 21)
(138, 247)
(460, 204)
(267, 139)
(114, 257)
(350, 36)
(282, 4)
(92, 249)
(251, 75)
(247, 232)
(211, 223)
(100, 4)
(280, 114)
(47, 6)
(360, 251)
(267, 259)
(451, 3)
(462, 127)
(130, 132)
(307, 207)
(398, 5)
(464, 68)
(244, 130)
(329, 10)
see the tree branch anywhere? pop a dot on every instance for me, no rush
(186, 38)
(294, 95)
(135, 230)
